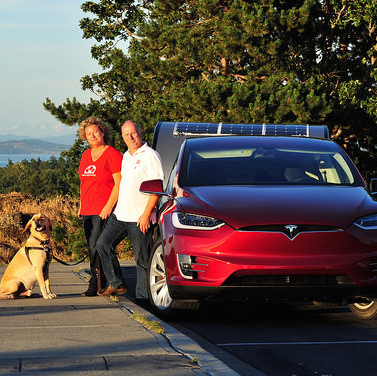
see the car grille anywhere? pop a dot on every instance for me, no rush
(288, 280)
(290, 230)
(282, 228)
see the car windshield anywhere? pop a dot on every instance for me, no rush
(280, 164)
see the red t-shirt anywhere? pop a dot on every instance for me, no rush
(97, 179)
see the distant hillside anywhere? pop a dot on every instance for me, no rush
(65, 139)
(13, 137)
(32, 146)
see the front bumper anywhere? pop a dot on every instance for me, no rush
(351, 293)
(261, 265)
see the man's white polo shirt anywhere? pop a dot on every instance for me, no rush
(144, 164)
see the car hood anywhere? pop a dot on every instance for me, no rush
(242, 206)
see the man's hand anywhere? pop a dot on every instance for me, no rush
(144, 223)
(145, 219)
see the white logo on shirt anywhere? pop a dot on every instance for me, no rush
(90, 170)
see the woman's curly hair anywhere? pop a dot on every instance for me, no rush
(92, 120)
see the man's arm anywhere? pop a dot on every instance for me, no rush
(145, 219)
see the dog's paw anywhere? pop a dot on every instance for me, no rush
(26, 294)
(6, 296)
(50, 296)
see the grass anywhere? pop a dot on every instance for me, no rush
(152, 325)
(195, 360)
(56, 208)
(16, 209)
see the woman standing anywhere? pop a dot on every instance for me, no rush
(99, 173)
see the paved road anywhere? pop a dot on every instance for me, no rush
(287, 340)
(234, 363)
(283, 339)
(273, 340)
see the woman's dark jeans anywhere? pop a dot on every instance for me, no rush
(93, 227)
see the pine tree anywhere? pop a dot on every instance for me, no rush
(264, 61)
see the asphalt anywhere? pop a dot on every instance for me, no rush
(79, 335)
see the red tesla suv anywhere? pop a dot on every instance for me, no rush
(271, 216)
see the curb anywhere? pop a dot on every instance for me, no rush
(172, 340)
(179, 342)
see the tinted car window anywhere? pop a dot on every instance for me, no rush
(169, 185)
(285, 163)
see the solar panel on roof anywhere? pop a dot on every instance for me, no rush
(220, 129)
(281, 130)
(196, 128)
(242, 129)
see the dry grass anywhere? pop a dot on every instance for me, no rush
(152, 325)
(16, 209)
(56, 208)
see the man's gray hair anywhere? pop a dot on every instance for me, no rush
(135, 124)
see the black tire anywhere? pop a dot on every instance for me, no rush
(158, 290)
(364, 311)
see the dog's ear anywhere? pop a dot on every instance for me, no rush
(27, 225)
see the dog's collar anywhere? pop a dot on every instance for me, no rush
(42, 242)
(45, 248)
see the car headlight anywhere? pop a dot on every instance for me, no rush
(195, 221)
(369, 222)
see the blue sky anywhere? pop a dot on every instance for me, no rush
(42, 55)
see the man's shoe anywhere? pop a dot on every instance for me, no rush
(114, 291)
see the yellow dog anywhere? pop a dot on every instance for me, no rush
(31, 263)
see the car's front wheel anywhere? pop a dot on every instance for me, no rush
(365, 311)
(158, 289)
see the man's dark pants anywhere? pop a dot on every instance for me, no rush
(114, 232)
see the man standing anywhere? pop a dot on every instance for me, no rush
(132, 214)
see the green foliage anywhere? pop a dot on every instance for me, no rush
(71, 242)
(72, 158)
(59, 233)
(36, 177)
(76, 240)
(55, 177)
(273, 61)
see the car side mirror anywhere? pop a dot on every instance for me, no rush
(373, 186)
(152, 187)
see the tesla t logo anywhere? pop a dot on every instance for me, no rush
(292, 231)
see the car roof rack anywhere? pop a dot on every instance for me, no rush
(169, 136)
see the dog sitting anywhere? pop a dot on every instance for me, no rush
(31, 263)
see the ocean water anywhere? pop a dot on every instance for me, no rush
(4, 158)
